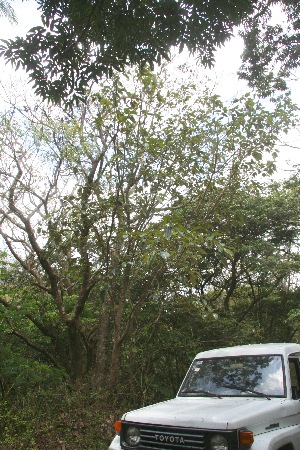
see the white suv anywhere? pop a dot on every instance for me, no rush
(235, 398)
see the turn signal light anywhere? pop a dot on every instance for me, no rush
(246, 438)
(118, 425)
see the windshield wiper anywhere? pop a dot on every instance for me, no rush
(245, 389)
(199, 391)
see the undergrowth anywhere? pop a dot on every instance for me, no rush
(61, 419)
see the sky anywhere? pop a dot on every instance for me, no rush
(224, 74)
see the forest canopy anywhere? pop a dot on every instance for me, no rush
(80, 42)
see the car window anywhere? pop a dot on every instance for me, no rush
(238, 376)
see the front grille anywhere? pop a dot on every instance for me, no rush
(158, 437)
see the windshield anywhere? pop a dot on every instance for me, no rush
(235, 376)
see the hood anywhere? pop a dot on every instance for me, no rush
(213, 413)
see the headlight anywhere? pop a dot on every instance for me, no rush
(218, 442)
(133, 436)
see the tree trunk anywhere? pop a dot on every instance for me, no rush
(115, 363)
(101, 363)
(76, 351)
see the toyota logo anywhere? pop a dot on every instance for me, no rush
(170, 439)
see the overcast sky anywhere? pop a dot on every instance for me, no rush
(224, 72)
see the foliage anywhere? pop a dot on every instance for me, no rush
(261, 228)
(271, 54)
(80, 42)
(6, 10)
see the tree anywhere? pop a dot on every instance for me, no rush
(90, 200)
